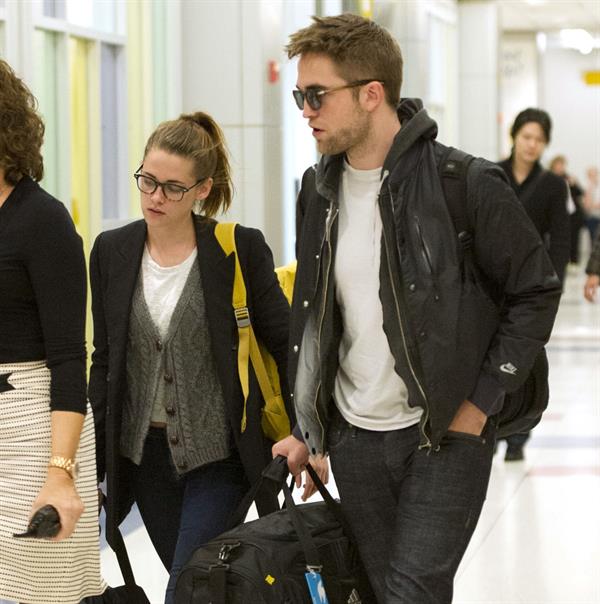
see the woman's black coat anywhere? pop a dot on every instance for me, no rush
(114, 267)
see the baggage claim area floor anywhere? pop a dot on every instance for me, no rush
(538, 539)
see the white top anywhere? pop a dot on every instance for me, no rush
(368, 391)
(163, 286)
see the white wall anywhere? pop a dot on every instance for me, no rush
(299, 149)
(226, 48)
(427, 32)
(573, 106)
(478, 77)
(518, 82)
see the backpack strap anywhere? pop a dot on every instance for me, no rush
(248, 349)
(453, 174)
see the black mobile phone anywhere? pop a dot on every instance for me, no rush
(44, 523)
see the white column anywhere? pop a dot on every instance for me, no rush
(226, 50)
(407, 22)
(478, 77)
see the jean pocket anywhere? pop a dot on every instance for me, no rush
(465, 436)
(336, 435)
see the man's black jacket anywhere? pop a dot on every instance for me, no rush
(455, 333)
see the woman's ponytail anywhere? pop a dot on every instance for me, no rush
(196, 136)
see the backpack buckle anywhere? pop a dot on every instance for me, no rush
(242, 316)
(225, 551)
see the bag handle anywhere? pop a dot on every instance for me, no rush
(276, 472)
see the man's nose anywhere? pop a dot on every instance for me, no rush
(308, 111)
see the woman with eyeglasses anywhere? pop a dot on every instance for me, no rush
(164, 379)
(46, 427)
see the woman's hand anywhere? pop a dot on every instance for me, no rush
(59, 491)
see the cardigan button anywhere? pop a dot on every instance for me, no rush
(295, 347)
(170, 410)
(174, 439)
(168, 378)
(412, 287)
(158, 345)
(305, 303)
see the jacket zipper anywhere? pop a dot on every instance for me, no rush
(333, 212)
(424, 420)
(427, 257)
(425, 250)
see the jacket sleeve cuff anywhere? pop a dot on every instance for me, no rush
(488, 394)
(297, 433)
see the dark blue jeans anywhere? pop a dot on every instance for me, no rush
(412, 512)
(183, 512)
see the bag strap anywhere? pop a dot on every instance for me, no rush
(453, 174)
(248, 349)
(122, 557)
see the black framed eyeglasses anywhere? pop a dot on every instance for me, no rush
(314, 94)
(148, 184)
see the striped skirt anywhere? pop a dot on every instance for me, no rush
(38, 571)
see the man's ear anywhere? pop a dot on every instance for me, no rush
(372, 95)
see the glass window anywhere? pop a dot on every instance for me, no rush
(54, 8)
(110, 132)
(45, 80)
(103, 16)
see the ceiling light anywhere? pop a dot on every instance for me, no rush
(578, 39)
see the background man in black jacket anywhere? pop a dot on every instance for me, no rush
(400, 352)
(544, 197)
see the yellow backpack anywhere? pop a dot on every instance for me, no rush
(275, 422)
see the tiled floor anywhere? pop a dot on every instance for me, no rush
(538, 540)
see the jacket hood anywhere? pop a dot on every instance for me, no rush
(415, 124)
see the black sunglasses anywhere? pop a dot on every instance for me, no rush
(313, 94)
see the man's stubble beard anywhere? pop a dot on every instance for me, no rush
(350, 137)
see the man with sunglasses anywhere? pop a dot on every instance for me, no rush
(398, 358)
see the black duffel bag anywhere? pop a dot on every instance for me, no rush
(265, 561)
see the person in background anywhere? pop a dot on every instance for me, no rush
(544, 196)
(593, 272)
(398, 363)
(47, 451)
(558, 166)
(174, 432)
(591, 202)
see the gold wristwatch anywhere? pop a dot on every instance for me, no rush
(70, 466)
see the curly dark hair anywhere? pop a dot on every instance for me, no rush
(21, 129)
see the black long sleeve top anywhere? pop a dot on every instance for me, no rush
(546, 205)
(43, 291)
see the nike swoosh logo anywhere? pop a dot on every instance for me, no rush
(508, 368)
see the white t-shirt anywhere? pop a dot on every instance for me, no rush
(163, 286)
(368, 391)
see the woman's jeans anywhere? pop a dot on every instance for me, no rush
(183, 512)
(412, 511)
